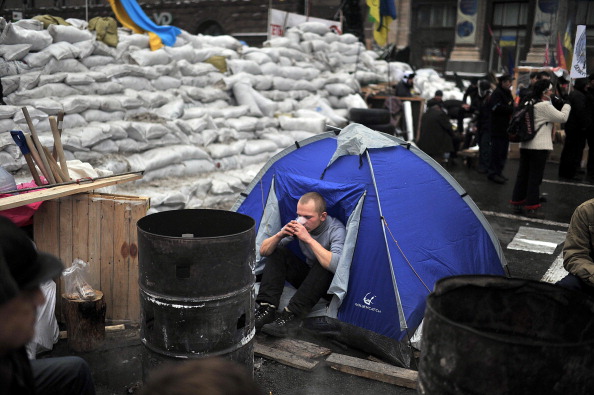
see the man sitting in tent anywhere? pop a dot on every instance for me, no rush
(321, 239)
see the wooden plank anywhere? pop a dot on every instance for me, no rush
(138, 210)
(374, 370)
(121, 232)
(80, 228)
(284, 357)
(296, 347)
(64, 190)
(106, 254)
(65, 225)
(94, 244)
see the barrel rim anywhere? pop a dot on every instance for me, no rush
(250, 229)
(525, 342)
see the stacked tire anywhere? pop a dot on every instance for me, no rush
(374, 118)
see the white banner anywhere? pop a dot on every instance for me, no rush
(578, 64)
(279, 21)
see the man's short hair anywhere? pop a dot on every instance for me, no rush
(543, 74)
(318, 199)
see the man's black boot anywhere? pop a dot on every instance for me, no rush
(265, 314)
(285, 324)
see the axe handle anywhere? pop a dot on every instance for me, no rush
(32, 169)
(36, 157)
(58, 175)
(58, 148)
(60, 120)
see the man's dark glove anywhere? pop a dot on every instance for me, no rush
(557, 102)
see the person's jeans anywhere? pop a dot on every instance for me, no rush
(311, 283)
(62, 376)
(575, 283)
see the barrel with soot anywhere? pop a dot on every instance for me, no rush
(196, 286)
(494, 335)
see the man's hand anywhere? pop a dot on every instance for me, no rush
(297, 230)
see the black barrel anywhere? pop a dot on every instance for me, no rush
(196, 278)
(493, 335)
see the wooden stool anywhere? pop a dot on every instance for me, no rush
(85, 322)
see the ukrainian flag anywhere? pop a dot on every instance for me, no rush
(381, 13)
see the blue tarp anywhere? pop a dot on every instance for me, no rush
(430, 228)
(168, 34)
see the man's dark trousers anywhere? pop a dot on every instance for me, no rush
(311, 283)
(499, 147)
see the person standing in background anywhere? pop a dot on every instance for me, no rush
(577, 127)
(483, 125)
(501, 104)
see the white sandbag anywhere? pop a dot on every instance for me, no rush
(13, 34)
(104, 88)
(65, 65)
(136, 83)
(165, 82)
(85, 48)
(281, 140)
(46, 105)
(304, 85)
(282, 84)
(69, 34)
(146, 57)
(258, 56)
(218, 151)
(137, 40)
(241, 77)
(348, 38)
(96, 61)
(195, 70)
(50, 79)
(315, 126)
(10, 83)
(15, 51)
(198, 82)
(171, 171)
(57, 90)
(314, 27)
(13, 68)
(254, 147)
(87, 136)
(225, 183)
(267, 123)
(243, 124)
(243, 94)
(29, 81)
(204, 95)
(206, 53)
(63, 50)
(230, 112)
(249, 160)
(93, 115)
(29, 24)
(354, 101)
(37, 59)
(198, 166)
(185, 52)
(76, 104)
(224, 41)
(161, 157)
(242, 65)
(172, 110)
(339, 89)
(73, 121)
(197, 125)
(155, 99)
(128, 145)
(78, 79)
(194, 112)
(106, 147)
(129, 102)
(7, 112)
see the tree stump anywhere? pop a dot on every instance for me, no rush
(85, 322)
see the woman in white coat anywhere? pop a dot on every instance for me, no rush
(534, 153)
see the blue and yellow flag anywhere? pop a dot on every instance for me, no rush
(381, 13)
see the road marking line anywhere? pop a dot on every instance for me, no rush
(544, 241)
(556, 272)
(577, 184)
(522, 218)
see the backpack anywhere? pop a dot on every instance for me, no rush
(521, 126)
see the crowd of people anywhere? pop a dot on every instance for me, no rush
(491, 107)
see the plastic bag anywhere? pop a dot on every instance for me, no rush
(75, 282)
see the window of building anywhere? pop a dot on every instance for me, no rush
(436, 15)
(509, 26)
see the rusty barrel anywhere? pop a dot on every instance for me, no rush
(494, 335)
(196, 280)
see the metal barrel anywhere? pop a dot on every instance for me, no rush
(196, 280)
(494, 335)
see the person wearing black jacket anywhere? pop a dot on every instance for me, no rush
(502, 108)
(483, 125)
(577, 128)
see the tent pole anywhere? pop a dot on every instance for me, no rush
(401, 317)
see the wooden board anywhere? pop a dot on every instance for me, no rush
(374, 370)
(64, 190)
(286, 358)
(100, 229)
(299, 348)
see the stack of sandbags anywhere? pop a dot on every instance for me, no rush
(198, 110)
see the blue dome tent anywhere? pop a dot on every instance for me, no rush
(409, 223)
